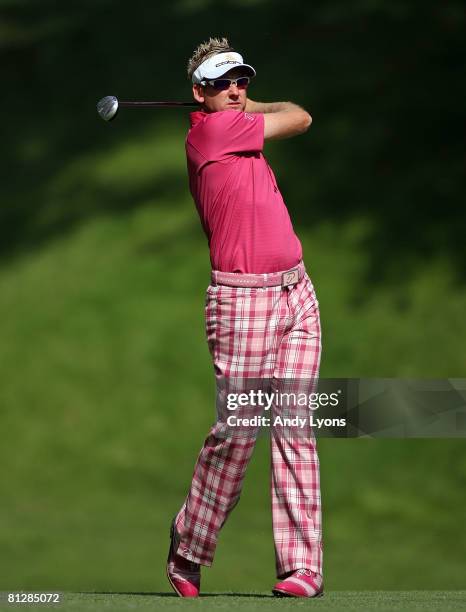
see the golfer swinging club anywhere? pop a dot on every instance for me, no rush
(262, 320)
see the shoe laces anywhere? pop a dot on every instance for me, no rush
(193, 567)
(188, 566)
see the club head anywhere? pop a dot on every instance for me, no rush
(107, 107)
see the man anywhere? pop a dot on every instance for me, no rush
(262, 321)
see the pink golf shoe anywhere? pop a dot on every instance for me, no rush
(301, 583)
(183, 575)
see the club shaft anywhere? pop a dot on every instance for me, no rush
(152, 104)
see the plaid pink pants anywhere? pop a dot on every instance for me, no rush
(272, 333)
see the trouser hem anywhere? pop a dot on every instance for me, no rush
(288, 568)
(183, 548)
(181, 551)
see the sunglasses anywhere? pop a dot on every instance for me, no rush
(222, 84)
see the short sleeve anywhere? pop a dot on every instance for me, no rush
(227, 133)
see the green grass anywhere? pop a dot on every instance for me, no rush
(107, 392)
(106, 386)
(335, 600)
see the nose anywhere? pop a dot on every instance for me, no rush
(233, 89)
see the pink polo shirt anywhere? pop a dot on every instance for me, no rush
(241, 209)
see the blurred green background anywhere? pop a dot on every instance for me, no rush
(106, 386)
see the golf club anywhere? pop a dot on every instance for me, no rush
(108, 107)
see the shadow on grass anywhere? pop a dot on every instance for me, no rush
(158, 594)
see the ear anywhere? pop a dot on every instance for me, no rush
(198, 93)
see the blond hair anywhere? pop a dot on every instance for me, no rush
(205, 50)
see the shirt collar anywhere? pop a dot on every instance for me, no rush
(196, 117)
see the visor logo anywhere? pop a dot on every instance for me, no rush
(226, 62)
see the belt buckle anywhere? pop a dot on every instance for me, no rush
(291, 277)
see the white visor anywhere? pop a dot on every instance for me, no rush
(216, 66)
